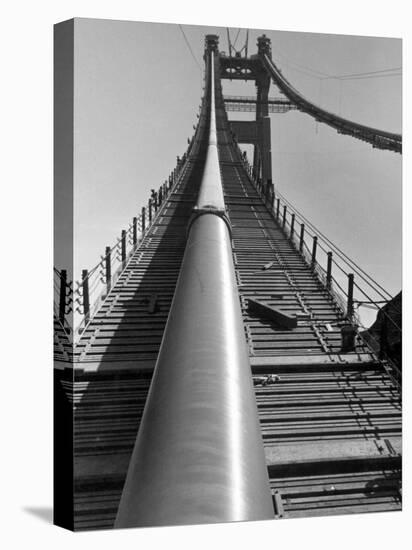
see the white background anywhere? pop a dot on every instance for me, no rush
(26, 258)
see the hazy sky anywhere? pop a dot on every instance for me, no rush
(137, 92)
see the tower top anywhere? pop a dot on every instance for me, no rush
(264, 45)
(211, 42)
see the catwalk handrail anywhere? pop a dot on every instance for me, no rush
(287, 217)
(63, 300)
(378, 138)
(347, 301)
(95, 284)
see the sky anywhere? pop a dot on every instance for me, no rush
(137, 91)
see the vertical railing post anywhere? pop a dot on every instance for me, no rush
(155, 201)
(383, 337)
(314, 247)
(269, 189)
(160, 195)
(123, 247)
(284, 216)
(329, 271)
(143, 220)
(134, 232)
(86, 298)
(349, 307)
(277, 208)
(62, 296)
(108, 266)
(302, 237)
(292, 227)
(150, 211)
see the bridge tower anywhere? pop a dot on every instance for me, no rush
(262, 158)
(256, 133)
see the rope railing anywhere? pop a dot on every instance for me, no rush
(340, 254)
(315, 249)
(96, 283)
(317, 254)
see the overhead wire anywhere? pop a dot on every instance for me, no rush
(372, 74)
(321, 75)
(190, 48)
(237, 36)
(369, 77)
(229, 43)
(307, 70)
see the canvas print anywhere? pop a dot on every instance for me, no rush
(227, 274)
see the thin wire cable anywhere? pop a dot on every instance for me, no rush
(237, 36)
(229, 43)
(369, 77)
(385, 313)
(358, 287)
(348, 260)
(338, 250)
(312, 72)
(324, 76)
(380, 309)
(350, 75)
(190, 48)
(341, 255)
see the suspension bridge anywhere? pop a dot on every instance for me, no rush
(266, 399)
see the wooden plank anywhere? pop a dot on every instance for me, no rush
(330, 450)
(278, 316)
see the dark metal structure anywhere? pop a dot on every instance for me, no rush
(222, 288)
(262, 69)
(248, 104)
(377, 138)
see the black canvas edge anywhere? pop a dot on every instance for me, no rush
(63, 430)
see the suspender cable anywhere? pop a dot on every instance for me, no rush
(199, 455)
